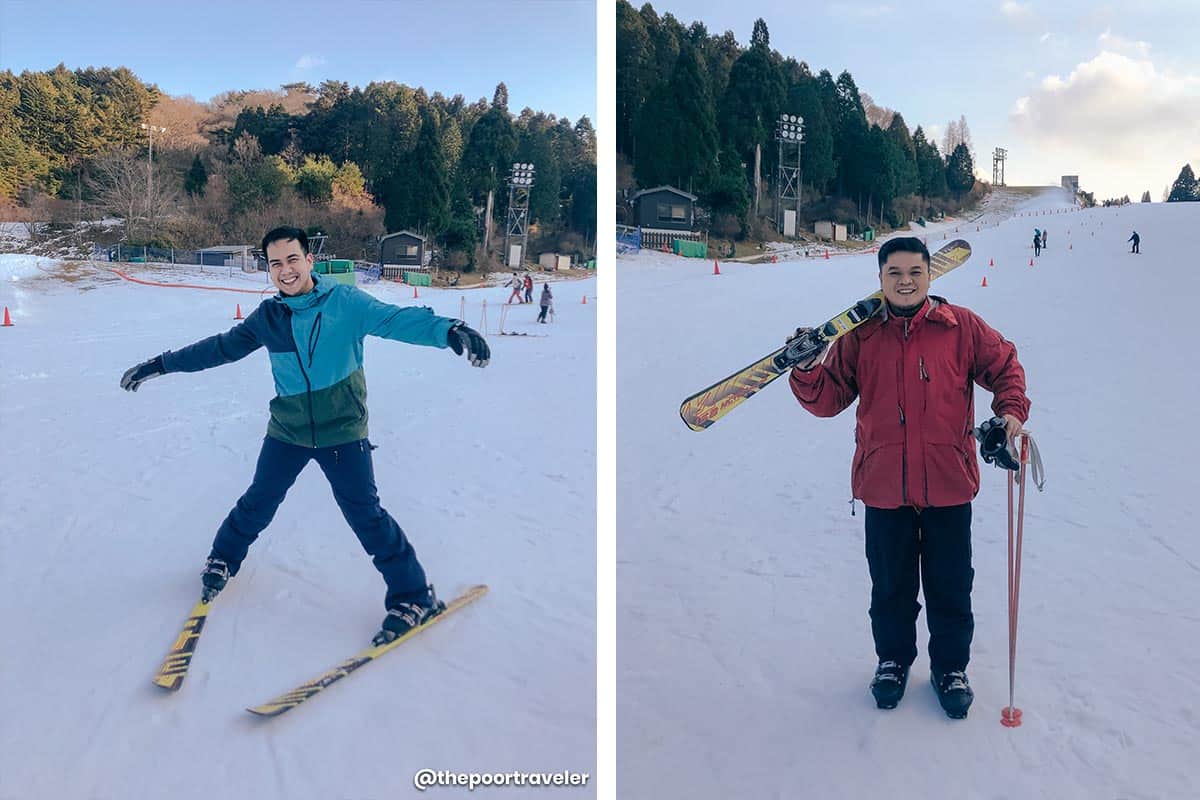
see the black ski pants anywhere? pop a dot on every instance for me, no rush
(351, 475)
(906, 549)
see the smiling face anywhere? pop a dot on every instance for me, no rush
(291, 267)
(904, 278)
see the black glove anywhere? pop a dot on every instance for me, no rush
(462, 337)
(809, 363)
(136, 376)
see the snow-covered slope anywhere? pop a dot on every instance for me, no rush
(743, 640)
(110, 501)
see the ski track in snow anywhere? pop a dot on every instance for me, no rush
(744, 646)
(110, 501)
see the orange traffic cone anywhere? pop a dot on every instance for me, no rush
(8, 323)
(991, 262)
(716, 268)
(984, 284)
(415, 293)
(584, 303)
(1031, 262)
(826, 255)
(774, 259)
(238, 315)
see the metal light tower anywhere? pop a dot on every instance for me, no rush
(520, 182)
(150, 174)
(998, 156)
(789, 129)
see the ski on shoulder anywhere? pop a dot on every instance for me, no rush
(705, 407)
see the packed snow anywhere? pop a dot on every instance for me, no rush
(110, 501)
(744, 644)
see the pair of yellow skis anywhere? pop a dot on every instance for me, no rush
(174, 667)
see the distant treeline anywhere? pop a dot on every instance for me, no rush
(695, 110)
(356, 161)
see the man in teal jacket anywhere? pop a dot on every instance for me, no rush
(314, 331)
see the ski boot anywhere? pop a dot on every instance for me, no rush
(888, 684)
(214, 578)
(404, 617)
(953, 691)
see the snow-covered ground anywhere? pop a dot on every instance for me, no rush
(744, 644)
(109, 502)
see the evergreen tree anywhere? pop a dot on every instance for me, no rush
(1146, 196)
(960, 172)
(634, 57)
(907, 181)
(428, 206)
(1185, 187)
(197, 178)
(677, 130)
(753, 99)
(931, 170)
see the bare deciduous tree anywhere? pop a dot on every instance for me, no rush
(122, 186)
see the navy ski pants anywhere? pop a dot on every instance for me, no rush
(351, 475)
(905, 550)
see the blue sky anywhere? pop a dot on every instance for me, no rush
(544, 50)
(1109, 92)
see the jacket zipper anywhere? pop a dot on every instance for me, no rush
(312, 422)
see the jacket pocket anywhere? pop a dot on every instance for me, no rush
(877, 476)
(949, 478)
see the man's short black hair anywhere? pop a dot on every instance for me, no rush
(285, 234)
(903, 244)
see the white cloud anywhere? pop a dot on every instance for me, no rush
(1118, 44)
(1119, 122)
(309, 61)
(1016, 11)
(846, 10)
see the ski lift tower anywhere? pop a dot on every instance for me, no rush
(516, 240)
(788, 130)
(998, 157)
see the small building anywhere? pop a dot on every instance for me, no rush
(665, 208)
(550, 262)
(400, 253)
(664, 214)
(234, 255)
(830, 230)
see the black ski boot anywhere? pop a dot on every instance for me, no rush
(888, 685)
(953, 691)
(403, 617)
(214, 578)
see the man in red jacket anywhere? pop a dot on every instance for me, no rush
(912, 368)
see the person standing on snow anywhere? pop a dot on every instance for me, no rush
(546, 300)
(1136, 241)
(1037, 242)
(911, 369)
(516, 284)
(1044, 232)
(528, 289)
(313, 330)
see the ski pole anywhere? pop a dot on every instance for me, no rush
(1010, 717)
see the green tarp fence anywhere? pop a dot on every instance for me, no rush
(689, 249)
(418, 279)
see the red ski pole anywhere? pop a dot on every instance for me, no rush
(1010, 717)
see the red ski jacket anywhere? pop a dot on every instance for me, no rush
(913, 378)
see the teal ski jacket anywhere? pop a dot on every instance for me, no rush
(315, 342)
